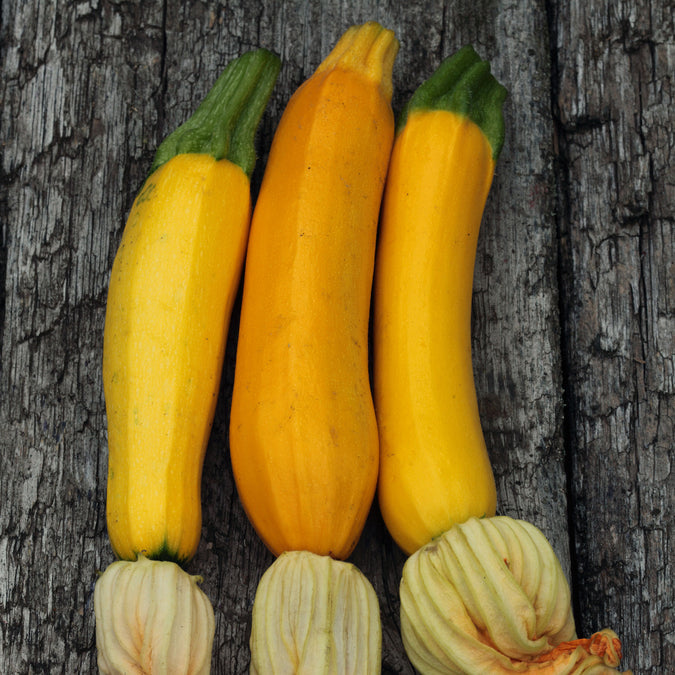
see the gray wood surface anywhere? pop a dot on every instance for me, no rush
(573, 305)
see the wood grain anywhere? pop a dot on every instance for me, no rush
(573, 294)
(617, 191)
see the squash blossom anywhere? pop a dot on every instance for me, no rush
(490, 596)
(313, 614)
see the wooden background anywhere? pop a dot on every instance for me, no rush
(573, 307)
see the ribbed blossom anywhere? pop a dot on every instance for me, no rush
(490, 596)
(152, 619)
(313, 614)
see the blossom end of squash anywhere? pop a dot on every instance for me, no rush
(490, 596)
(152, 617)
(314, 614)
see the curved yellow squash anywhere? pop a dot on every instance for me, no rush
(171, 292)
(303, 434)
(434, 467)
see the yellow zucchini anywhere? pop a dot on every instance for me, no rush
(171, 292)
(434, 466)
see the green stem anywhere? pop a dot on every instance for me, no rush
(464, 85)
(225, 123)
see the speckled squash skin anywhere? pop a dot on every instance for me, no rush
(171, 293)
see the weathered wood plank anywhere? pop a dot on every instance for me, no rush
(614, 109)
(74, 81)
(89, 89)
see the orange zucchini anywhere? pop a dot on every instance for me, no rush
(303, 434)
(434, 466)
(171, 292)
